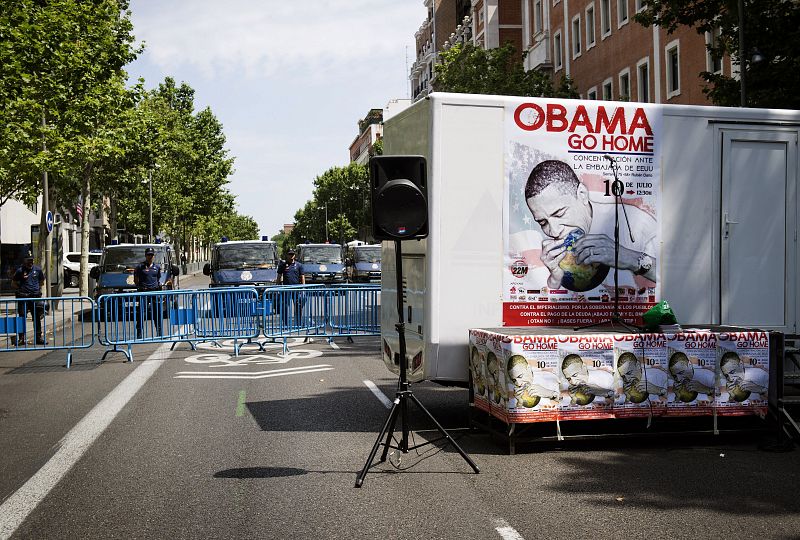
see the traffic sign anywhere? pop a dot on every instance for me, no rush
(49, 221)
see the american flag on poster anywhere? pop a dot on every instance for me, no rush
(79, 206)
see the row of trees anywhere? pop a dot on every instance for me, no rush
(67, 110)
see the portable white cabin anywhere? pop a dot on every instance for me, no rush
(728, 222)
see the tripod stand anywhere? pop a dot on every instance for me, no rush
(404, 394)
(617, 189)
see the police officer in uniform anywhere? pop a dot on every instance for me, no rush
(147, 277)
(290, 272)
(28, 281)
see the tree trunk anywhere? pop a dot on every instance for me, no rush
(86, 193)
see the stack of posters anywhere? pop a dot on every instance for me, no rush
(522, 375)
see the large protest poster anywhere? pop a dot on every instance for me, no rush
(559, 211)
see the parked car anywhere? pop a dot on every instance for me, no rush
(251, 263)
(114, 273)
(322, 263)
(72, 266)
(364, 263)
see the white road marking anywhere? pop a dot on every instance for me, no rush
(251, 375)
(334, 345)
(22, 502)
(506, 531)
(378, 394)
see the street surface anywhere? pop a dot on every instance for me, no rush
(200, 444)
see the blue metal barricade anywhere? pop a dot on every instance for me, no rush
(228, 313)
(354, 310)
(316, 310)
(177, 316)
(48, 323)
(292, 310)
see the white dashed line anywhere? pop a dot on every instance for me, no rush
(22, 502)
(334, 345)
(378, 394)
(506, 531)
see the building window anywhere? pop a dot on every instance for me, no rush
(592, 93)
(608, 90)
(590, 27)
(643, 80)
(639, 6)
(576, 36)
(625, 85)
(673, 67)
(713, 64)
(558, 60)
(605, 17)
(622, 12)
(538, 16)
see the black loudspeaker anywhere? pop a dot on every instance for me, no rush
(398, 186)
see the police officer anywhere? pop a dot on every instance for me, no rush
(147, 277)
(28, 281)
(290, 272)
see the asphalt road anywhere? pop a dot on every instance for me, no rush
(201, 444)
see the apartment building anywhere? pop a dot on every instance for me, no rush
(594, 42)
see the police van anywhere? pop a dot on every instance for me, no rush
(364, 263)
(322, 263)
(114, 273)
(236, 263)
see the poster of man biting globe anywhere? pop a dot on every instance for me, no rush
(560, 211)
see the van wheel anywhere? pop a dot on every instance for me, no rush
(72, 280)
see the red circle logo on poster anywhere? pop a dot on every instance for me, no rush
(519, 268)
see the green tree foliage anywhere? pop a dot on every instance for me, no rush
(184, 153)
(771, 27)
(345, 191)
(468, 69)
(60, 62)
(65, 108)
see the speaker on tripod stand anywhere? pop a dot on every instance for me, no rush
(400, 212)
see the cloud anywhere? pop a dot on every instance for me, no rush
(267, 38)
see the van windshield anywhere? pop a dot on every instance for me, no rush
(255, 255)
(367, 255)
(321, 255)
(120, 258)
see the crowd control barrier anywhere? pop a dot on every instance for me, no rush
(48, 323)
(120, 320)
(189, 316)
(319, 310)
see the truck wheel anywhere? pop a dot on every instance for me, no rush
(73, 280)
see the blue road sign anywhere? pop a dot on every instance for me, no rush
(49, 220)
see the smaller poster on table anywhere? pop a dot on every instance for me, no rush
(586, 366)
(640, 372)
(743, 370)
(477, 369)
(530, 365)
(691, 364)
(496, 382)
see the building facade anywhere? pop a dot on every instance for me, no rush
(594, 42)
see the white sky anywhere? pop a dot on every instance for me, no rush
(288, 79)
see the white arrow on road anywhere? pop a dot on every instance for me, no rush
(251, 374)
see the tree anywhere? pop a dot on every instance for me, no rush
(344, 191)
(771, 28)
(468, 69)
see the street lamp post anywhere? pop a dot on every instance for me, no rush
(326, 223)
(150, 186)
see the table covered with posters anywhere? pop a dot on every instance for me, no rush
(550, 375)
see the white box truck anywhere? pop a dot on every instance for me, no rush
(708, 221)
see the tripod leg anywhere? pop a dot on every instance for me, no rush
(390, 420)
(390, 431)
(446, 435)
